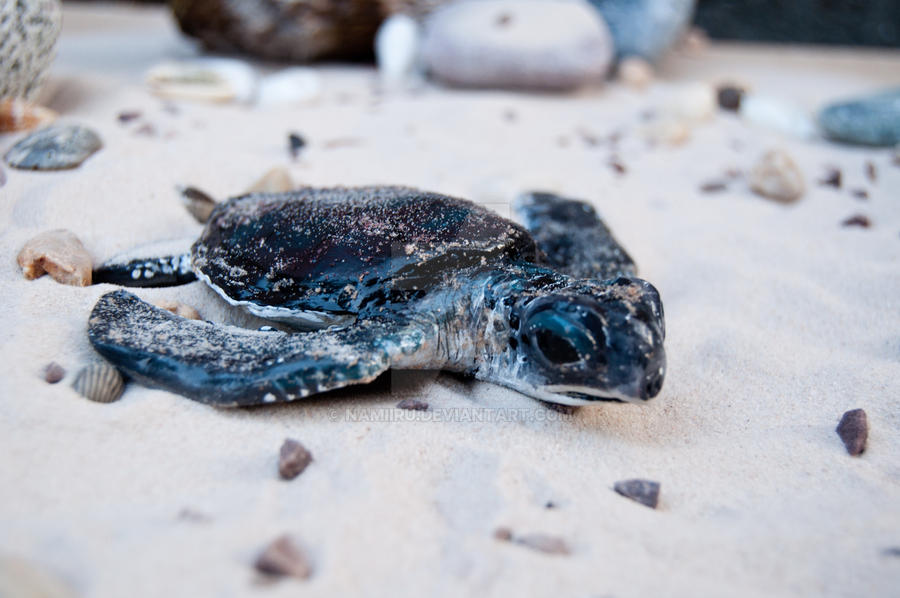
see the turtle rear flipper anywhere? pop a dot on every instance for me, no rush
(227, 366)
(573, 238)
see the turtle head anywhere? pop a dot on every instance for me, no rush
(592, 341)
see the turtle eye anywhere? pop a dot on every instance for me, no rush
(558, 339)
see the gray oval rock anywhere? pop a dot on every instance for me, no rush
(872, 120)
(645, 28)
(551, 45)
(57, 147)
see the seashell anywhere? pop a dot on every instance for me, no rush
(275, 180)
(99, 382)
(57, 147)
(197, 202)
(284, 558)
(17, 115)
(58, 253)
(179, 309)
(294, 85)
(216, 80)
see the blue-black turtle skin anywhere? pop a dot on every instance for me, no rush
(406, 279)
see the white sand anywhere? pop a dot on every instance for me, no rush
(779, 320)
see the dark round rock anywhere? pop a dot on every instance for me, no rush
(729, 97)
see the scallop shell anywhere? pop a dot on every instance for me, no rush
(99, 382)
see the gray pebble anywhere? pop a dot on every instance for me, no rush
(854, 431)
(645, 492)
(872, 120)
(54, 372)
(293, 459)
(56, 147)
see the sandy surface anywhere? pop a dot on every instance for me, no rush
(779, 320)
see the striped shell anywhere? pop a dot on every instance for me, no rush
(99, 382)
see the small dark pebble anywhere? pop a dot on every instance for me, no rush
(832, 178)
(413, 405)
(503, 533)
(282, 558)
(871, 172)
(617, 166)
(730, 97)
(544, 543)
(146, 129)
(503, 20)
(854, 430)
(550, 505)
(645, 492)
(860, 194)
(198, 203)
(54, 372)
(295, 143)
(292, 459)
(713, 187)
(892, 551)
(128, 116)
(857, 220)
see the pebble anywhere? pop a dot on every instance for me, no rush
(832, 178)
(860, 194)
(293, 458)
(859, 220)
(854, 431)
(54, 372)
(544, 543)
(777, 177)
(57, 147)
(295, 85)
(543, 44)
(729, 97)
(397, 51)
(713, 187)
(179, 309)
(871, 120)
(58, 253)
(635, 72)
(284, 558)
(646, 28)
(216, 80)
(2, 176)
(99, 382)
(296, 142)
(413, 405)
(871, 172)
(128, 115)
(645, 492)
(777, 115)
(276, 180)
(198, 203)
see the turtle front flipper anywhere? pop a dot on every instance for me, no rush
(227, 366)
(573, 238)
(167, 271)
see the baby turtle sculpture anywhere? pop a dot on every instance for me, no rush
(391, 277)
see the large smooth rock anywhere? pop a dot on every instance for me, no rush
(646, 28)
(57, 147)
(540, 44)
(872, 120)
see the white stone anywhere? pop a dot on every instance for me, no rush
(541, 44)
(777, 115)
(635, 72)
(692, 102)
(295, 85)
(397, 51)
(777, 177)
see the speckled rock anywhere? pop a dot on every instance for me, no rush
(776, 176)
(646, 28)
(872, 120)
(544, 44)
(57, 147)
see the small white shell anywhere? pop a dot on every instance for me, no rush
(205, 79)
(276, 180)
(289, 86)
(99, 382)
